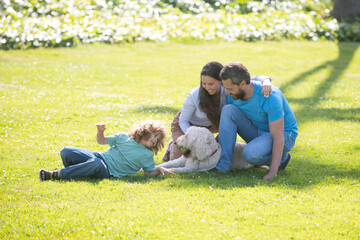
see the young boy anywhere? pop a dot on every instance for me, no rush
(128, 153)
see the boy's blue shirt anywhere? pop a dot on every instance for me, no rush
(261, 110)
(126, 156)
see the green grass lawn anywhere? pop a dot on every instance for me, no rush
(51, 98)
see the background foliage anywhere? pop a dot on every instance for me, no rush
(55, 23)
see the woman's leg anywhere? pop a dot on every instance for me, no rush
(176, 133)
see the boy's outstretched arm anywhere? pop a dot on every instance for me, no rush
(160, 170)
(100, 138)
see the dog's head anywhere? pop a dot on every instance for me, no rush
(200, 141)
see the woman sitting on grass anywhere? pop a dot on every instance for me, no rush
(128, 153)
(202, 107)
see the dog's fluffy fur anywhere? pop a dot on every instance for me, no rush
(204, 152)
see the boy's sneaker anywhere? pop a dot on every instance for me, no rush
(166, 156)
(284, 164)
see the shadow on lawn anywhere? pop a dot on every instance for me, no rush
(297, 176)
(309, 110)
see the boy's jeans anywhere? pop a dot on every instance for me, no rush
(80, 162)
(259, 143)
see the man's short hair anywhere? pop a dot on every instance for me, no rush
(235, 71)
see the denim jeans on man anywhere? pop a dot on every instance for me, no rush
(80, 162)
(259, 143)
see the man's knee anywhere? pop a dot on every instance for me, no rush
(250, 155)
(247, 154)
(227, 110)
(228, 113)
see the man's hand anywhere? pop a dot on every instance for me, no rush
(269, 176)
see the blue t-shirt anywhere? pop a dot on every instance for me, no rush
(126, 156)
(261, 110)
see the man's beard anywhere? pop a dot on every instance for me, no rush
(240, 95)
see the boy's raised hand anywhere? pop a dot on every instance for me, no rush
(100, 138)
(100, 127)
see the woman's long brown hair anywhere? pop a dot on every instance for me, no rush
(210, 104)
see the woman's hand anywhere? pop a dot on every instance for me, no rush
(266, 88)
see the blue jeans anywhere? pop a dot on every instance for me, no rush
(80, 162)
(258, 150)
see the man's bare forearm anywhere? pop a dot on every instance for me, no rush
(277, 133)
(277, 151)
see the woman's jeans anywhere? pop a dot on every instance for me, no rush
(258, 150)
(80, 162)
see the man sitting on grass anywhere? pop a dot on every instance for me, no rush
(268, 125)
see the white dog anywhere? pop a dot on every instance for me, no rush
(202, 152)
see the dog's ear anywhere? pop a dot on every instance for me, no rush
(202, 150)
(211, 140)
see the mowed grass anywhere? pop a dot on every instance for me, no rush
(51, 98)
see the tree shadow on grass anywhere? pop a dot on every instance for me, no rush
(309, 110)
(156, 109)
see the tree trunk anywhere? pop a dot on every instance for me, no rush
(346, 9)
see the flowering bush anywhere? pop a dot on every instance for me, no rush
(55, 23)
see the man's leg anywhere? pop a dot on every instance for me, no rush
(259, 150)
(288, 145)
(233, 121)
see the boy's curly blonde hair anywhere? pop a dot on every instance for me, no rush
(144, 131)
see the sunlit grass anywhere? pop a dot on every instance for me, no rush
(52, 98)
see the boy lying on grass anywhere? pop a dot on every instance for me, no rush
(128, 153)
